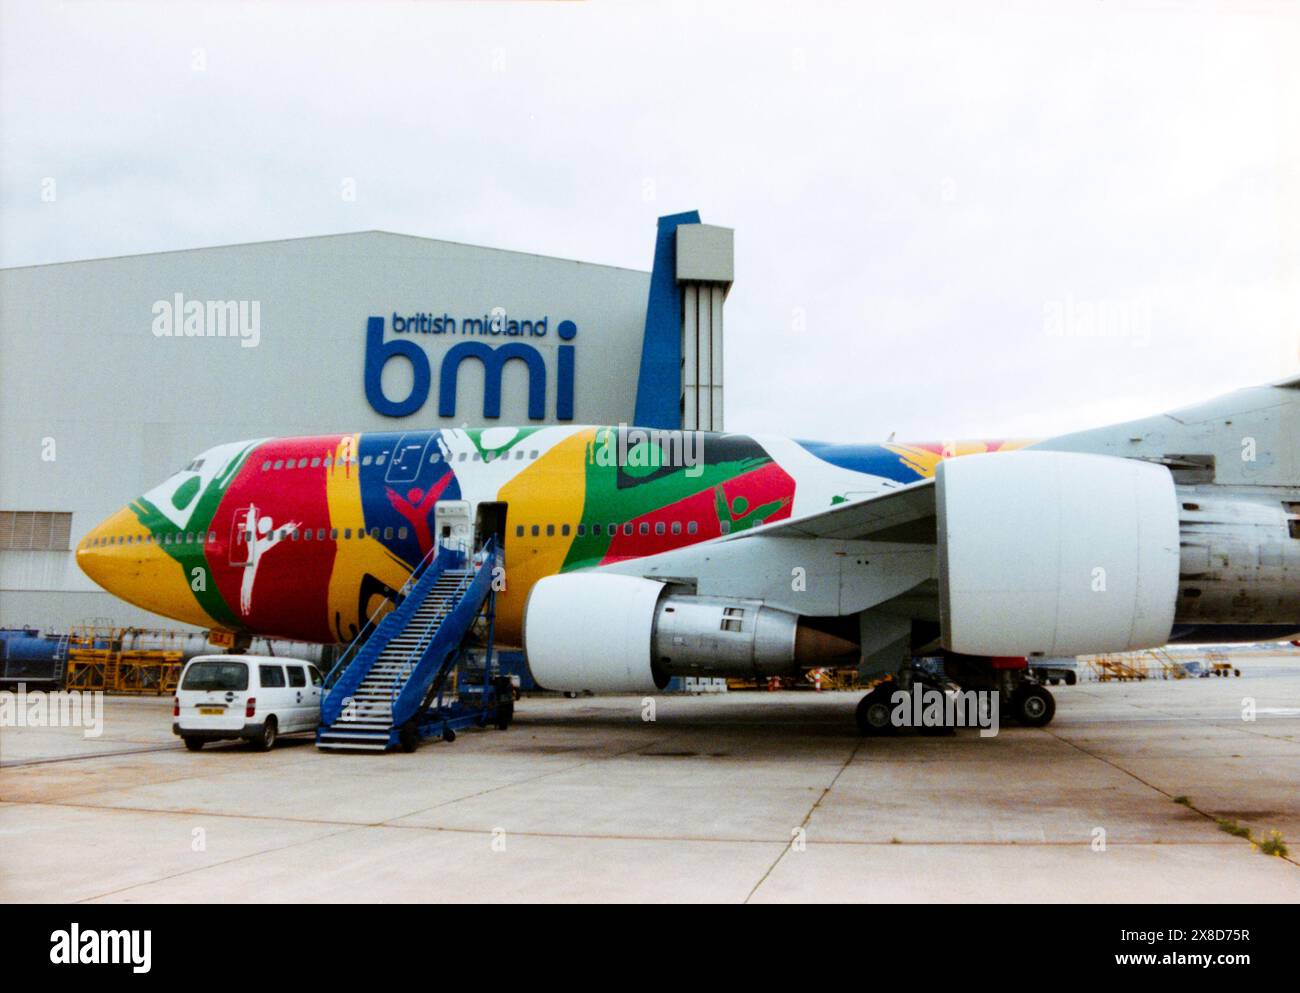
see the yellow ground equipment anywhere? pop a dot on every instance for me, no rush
(98, 660)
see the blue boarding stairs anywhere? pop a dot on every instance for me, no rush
(396, 683)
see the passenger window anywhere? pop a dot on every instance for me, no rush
(334, 534)
(293, 535)
(533, 454)
(374, 533)
(660, 528)
(550, 530)
(536, 530)
(272, 676)
(320, 534)
(329, 461)
(212, 536)
(582, 530)
(519, 531)
(475, 457)
(315, 463)
(595, 530)
(266, 465)
(401, 533)
(302, 463)
(296, 676)
(677, 527)
(726, 527)
(460, 457)
(627, 529)
(519, 454)
(692, 527)
(306, 535)
(279, 464)
(643, 527)
(435, 457)
(366, 459)
(347, 534)
(381, 458)
(315, 675)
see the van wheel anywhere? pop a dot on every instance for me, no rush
(192, 743)
(267, 740)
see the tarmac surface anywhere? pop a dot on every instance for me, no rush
(744, 796)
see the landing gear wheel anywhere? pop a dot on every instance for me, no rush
(193, 744)
(1033, 706)
(408, 737)
(873, 713)
(266, 740)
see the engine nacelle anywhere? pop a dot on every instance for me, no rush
(1055, 553)
(622, 634)
(593, 631)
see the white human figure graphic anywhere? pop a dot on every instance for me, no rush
(266, 538)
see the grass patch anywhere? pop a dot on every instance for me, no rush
(1272, 845)
(1233, 828)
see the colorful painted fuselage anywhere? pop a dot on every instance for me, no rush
(304, 538)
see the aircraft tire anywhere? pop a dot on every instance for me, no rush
(873, 713)
(1033, 706)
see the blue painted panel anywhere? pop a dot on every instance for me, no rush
(659, 387)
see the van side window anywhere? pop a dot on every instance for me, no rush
(296, 676)
(272, 676)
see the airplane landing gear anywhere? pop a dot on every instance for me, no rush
(1032, 705)
(874, 710)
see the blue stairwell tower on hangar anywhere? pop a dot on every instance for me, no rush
(680, 384)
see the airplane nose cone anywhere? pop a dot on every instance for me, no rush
(123, 557)
(96, 553)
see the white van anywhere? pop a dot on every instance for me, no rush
(254, 697)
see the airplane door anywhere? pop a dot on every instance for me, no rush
(243, 543)
(452, 524)
(490, 522)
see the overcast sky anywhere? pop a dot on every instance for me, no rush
(951, 221)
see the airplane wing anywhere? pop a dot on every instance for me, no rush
(906, 514)
(827, 549)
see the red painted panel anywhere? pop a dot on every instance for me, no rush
(286, 592)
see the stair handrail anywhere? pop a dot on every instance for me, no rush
(373, 620)
(407, 665)
(425, 641)
(336, 696)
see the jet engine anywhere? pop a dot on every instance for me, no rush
(1056, 553)
(611, 633)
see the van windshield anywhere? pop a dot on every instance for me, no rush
(216, 676)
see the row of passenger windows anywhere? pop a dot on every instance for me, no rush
(596, 530)
(298, 534)
(348, 534)
(328, 460)
(178, 538)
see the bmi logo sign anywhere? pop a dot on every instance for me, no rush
(492, 355)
